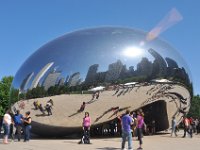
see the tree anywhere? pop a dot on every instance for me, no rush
(195, 107)
(5, 85)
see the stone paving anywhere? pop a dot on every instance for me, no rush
(156, 142)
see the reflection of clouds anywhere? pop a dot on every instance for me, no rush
(98, 46)
(116, 32)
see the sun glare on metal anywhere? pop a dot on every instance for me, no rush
(133, 52)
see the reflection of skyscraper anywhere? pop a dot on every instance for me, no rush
(51, 79)
(61, 82)
(171, 63)
(91, 74)
(25, 82)
(66, 80)
(159, 64)
(41, 74)
(114, 71)
(74, 79)
(144, 67)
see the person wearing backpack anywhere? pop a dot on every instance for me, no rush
(18, 124)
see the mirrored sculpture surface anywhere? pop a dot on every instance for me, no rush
(111, 69)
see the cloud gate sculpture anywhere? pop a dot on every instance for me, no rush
(110, 69)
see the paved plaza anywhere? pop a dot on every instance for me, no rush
(157, 142)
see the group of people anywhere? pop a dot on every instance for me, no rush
(48, 107)
(14, 124)
(189, 125)
(130, 123)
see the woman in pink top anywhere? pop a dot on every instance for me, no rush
(140, 124)
(86, 128)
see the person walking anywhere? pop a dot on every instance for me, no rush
(126, 122)
(7, 120)
(86, 128)
(18, 124)
(186, 125)
(173, 126)
(27, 126)
(140, 125)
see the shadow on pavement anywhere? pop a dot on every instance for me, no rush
(108, 148)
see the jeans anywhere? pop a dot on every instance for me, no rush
(18, 130)
(173, 131)
(6, 129)
(27, 133)
(126, 135)
(139, 132)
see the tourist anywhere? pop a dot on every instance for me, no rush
(126, 122)
(173, 127)
(86, 128)
(134, 131)
(140, 125)
(18, 123)
(186, 126)
(7, 120)
(27, 126)
(1, 122)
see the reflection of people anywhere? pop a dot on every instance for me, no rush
(126, 122)
(51, 102)
(7, 120)
(86, 128)
(153, 127)
(82, 108)
(48, 108)
(27, 126)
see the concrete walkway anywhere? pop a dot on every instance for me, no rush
(157, 142)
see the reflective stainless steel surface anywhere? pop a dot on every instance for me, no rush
(106, 67)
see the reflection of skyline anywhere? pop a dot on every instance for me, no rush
(51, 79)
(25, 82)
(159, 68)
(74, 79)
(40, 75)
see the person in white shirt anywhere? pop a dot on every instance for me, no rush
(7, 120)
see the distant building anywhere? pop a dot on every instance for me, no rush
(25, 82)
(144, 67)
(61, 82)
(51, 79)
(66, 80)
(40, 75)
(171, 63)
(159, 64)
(114, 71)
(74, 79)
(91, 74)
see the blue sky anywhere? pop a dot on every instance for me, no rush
(27, 25)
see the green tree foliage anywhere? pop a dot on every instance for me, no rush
(5, 85)
(195, 107)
